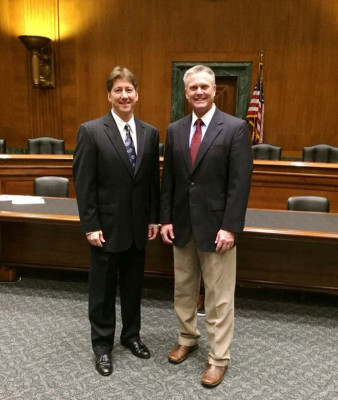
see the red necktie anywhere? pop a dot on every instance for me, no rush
(196, 141)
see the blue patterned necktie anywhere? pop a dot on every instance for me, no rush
(130, 147)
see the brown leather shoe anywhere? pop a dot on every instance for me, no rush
(179, 353)
(213, 375)
(200, 306)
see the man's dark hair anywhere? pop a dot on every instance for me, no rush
(123, 73)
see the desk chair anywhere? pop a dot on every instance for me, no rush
(320, 153)
(308, 203)
(265, 151)
(3, 146)
(51, 186)
(46, 145)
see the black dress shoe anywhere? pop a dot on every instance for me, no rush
(103, 364)
(138, 348)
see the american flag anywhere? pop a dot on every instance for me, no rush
(255, 114)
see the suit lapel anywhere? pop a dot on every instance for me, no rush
(115, 137)
(184, 137)
(141, 138)
(211, 133)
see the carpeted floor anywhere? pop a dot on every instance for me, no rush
(285, 347)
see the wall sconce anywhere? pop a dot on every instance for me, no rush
(42, 60)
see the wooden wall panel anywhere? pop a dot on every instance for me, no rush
(14, 104)
(299, 38)
(27, 112)
(45, 104)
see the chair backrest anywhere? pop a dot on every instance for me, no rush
(46, 145)
(161, 148)
(265, 151)
(308, 203)
(321, 153)
(51, 186)
(3, 146)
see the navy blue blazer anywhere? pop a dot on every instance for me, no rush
(212, 194)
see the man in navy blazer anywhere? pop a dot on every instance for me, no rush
(205, 189)
(116, 175)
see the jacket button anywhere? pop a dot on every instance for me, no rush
(192, 183)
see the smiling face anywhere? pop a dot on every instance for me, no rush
(200, 92)
(123, 97)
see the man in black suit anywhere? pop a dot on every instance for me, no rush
(205, 188)
(116, 175)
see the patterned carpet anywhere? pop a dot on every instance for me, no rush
(285, 347)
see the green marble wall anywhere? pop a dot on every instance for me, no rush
(240, 70)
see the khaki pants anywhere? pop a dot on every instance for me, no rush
(219, 275)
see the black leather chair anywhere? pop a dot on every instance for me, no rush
(51, 186)
(3, 146)
(308, 203)
(161, 148)
(265, 151)
(321, 153)
(46, 145)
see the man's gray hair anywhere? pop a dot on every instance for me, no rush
(195, 70)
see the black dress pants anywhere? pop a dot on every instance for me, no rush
(106, 270)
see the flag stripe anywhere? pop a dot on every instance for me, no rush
(255, 113)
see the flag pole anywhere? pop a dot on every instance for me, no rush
(262, 54)
(255, 113)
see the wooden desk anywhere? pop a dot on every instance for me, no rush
(289, 249)
(273, 182)
(284, 249)
(18, 171)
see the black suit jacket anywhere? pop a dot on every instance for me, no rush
(110, 195)
(212, 194)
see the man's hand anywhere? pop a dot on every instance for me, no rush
(152, 231)
(224, 241)
(95, 238)
(167, 233)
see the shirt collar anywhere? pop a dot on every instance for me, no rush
(121, 124)
(206, 117)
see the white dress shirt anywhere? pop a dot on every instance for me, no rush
(206, 121)
(121, 124)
